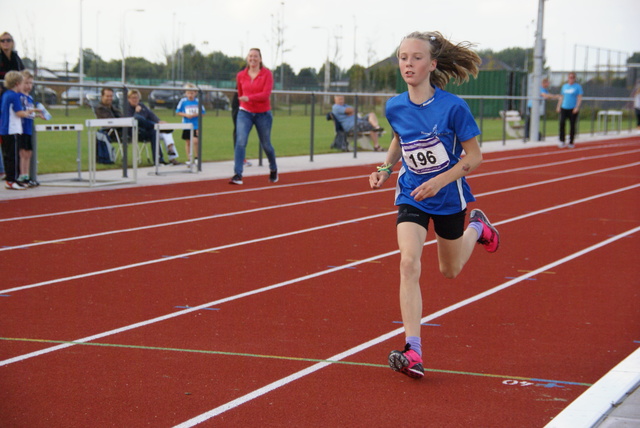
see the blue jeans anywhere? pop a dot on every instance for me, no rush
(147, 132)
(244, 123)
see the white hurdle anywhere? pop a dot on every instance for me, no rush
(34, 159)
(93, 126)
(171, 126)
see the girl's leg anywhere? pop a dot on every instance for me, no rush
(411, 237)
(454, 254)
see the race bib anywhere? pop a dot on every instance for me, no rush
(191, 110)
(425, 156)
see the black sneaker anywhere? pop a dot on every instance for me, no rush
(273, 176)
(236, 179)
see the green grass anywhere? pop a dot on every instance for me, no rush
(290, 136)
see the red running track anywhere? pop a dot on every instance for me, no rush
(272, 306)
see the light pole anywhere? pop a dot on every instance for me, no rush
(534, 125)
(123, 47)
(81, 61)
(327, 64)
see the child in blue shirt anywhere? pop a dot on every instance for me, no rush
(188, 109)
(431, 130)
(12, 111)
(25, 145)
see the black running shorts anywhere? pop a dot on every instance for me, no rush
(449, 226)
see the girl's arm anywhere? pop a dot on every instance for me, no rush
(471, 161)
(378, 178)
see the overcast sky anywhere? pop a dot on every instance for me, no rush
(351, 30)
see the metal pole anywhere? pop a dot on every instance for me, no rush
(200, 96)
(313, 125)
(534, 122)
(355, 128)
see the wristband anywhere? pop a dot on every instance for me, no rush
(385, 167)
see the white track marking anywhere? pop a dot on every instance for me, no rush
(307, 183)
(292, 204)
(309, 370)
(264, 289)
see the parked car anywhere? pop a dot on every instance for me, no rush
(167, 97)
(170, 98)
(45, 95)
(72, 95)
(215, 99)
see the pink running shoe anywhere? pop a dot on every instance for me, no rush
(407, 362)
(490, 237)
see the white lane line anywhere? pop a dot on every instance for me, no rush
(187, 221)
(193, 253)
(292, 204)
(207, 195)
(302, 373)
(179, 198)
(287, 234)
(264, 289)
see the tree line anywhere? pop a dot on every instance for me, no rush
(218, 69)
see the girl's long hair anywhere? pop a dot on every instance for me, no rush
(454, 61)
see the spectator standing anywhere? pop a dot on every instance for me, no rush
(188, 108)
(254, 84)
(235, 108)
(636, 106)
(546, 95)
(9, 61)
(12, 112)
(569, 103)
(431, 129)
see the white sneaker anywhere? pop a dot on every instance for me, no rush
(12, 185)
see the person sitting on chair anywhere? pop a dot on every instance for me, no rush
(146, 122)
(344, 114)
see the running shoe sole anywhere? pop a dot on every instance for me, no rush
(399, 363)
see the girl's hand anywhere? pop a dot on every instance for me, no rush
(427, 189)
(377, 179)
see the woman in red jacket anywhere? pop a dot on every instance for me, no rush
(255, 83)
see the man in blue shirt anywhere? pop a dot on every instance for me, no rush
(344, 114)
(568, 107)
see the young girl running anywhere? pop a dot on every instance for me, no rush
(431, 128)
